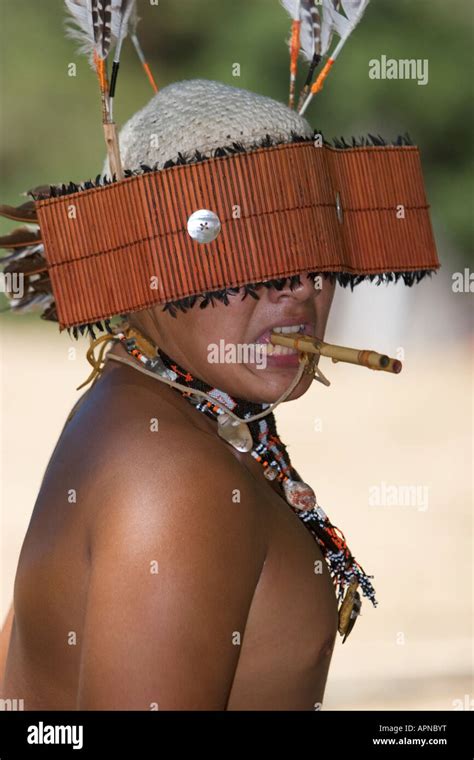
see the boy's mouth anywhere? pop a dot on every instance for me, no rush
(305, 328)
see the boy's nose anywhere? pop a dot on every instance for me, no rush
(300, 291)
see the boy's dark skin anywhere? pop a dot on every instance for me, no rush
(155, 588)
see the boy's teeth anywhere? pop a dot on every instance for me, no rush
(289, 329)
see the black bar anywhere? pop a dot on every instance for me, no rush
(113, 78)
(150, 734)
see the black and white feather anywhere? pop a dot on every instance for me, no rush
(97, 24)
(310, 34)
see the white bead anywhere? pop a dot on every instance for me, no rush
(204, 226)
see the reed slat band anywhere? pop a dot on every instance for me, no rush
(284, 210)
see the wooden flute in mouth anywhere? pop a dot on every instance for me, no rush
(306, 344)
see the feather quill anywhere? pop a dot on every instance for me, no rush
(327, 29)
(98, 23)
(316, 37)
(24, 213)
(313, 40)
(125, 11)
(30, 302)
(134, 19)
(341, 24)
(21, 253)
(21, 237)
(310, 37)
(293, 8)
(315, 30)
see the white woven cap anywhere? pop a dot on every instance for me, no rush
(199, 114)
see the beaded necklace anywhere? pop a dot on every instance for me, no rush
(270, 452)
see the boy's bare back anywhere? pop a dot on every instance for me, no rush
(161, 570)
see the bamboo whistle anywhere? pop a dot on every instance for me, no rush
(308, 345)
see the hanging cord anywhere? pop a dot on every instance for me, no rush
(98, 364)
(195, 391)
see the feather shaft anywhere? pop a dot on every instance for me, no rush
(142, 59)
(24, 213)
(343, 26)
(294, 52)
(125, 11)
(134, 20)
(293, 8)
(20, 238)
(98, 23)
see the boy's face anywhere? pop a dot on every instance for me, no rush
(217, 343)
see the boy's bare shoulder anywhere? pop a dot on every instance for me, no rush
(142, 461)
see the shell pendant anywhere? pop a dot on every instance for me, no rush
(300, 495)
(349, 609)
(234, 432)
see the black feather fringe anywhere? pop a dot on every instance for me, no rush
(228, 150)
(89, 329)
(341, 278)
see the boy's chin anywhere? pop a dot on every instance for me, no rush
(273, 388)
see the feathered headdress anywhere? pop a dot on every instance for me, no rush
(251, 196)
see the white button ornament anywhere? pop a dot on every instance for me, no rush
(204, 226)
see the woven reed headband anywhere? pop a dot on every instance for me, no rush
(283, 210)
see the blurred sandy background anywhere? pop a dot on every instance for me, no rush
(414, 651)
